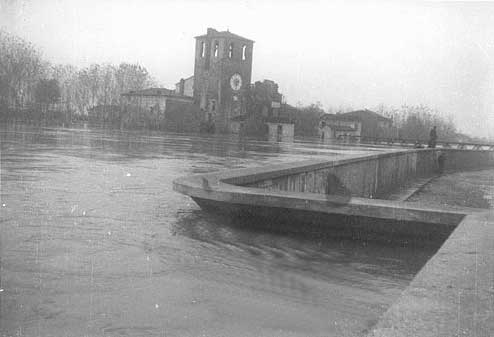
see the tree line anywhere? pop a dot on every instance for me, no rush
(31, 87)
(416, 122)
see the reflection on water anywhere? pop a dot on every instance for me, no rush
(94, 242)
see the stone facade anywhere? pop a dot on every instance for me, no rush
(222, 73)
(336, 126)
(280, 131)
(152, 98)
(147, 107)
(266, 115)
(359, 123)
(185, 87)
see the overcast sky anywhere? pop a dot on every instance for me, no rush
(355, 55)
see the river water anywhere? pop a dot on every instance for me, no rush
(94, 242)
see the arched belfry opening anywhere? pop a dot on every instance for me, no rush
(244, 52)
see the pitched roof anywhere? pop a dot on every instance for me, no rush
(360, 114)
(226, 34)
(150, 92)
(357, 115)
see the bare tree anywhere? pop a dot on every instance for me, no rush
(416, 121)
(21, 67)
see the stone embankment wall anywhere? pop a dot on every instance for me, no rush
(372, 176)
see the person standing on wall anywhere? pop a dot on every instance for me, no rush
(433, 137)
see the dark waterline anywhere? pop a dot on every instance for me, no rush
(94, 242)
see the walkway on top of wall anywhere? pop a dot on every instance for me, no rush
(453, 294)
(228, 188)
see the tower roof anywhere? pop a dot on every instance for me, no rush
(225, 34)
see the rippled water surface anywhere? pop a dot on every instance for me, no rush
(94, 242)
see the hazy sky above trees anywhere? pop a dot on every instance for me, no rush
(355, 55)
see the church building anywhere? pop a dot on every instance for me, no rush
(221, 80)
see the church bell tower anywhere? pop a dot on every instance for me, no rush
(222, 74)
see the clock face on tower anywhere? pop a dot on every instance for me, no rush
(236, 81)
